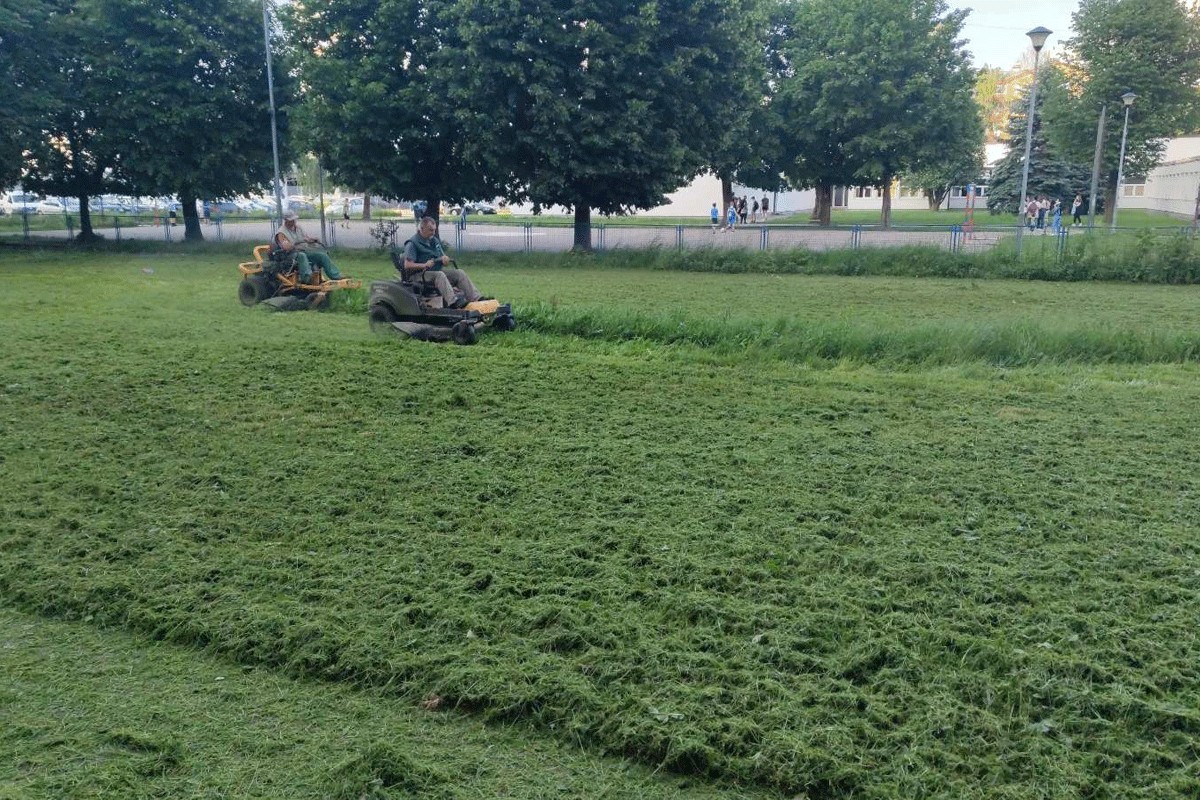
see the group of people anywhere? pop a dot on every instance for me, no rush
(1041, 213)
(423, 255)
(740, 210)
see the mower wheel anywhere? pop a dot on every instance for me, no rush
(504, 322)
(463, 332)
(253, 290)
(381, 318)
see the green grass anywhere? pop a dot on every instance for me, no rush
(101, 713)
(836, 575)
(1132, 218)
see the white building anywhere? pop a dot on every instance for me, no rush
(1170, 187)
(1173, 185)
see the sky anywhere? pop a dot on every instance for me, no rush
(995, 29)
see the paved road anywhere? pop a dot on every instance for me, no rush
(523, 238)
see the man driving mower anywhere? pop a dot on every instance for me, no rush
(425, 257)
(291, 238)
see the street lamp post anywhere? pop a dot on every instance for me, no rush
(1127, 99)
(271, 98)
(1096, 166)
(1037, 37)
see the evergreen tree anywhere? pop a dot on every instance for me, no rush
(1050, 174)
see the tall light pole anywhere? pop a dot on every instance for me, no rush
(271, 98)
(1037, 37)
(1127, 99)
(1096, 166)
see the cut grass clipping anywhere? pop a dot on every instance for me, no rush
(947, 580)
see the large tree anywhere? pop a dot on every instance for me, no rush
(606, 105)
(1050, 172)
(1150, 47)
(873, 89)
(21, 32)
(386, 103)
(193, 107)
(72, 145)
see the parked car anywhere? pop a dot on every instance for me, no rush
(223, 206)
(49, 206)
(473, 208)
(19, 203)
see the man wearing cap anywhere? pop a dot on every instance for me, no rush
(424, 253)
(291, 238)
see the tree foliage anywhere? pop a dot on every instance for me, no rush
(72, 143)
(607, 106)
(1050, 172)
(384, 105)
(1150, 47)
(21, 42)
(193, 107)
(871, 90)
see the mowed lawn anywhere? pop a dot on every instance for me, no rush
(838, 578)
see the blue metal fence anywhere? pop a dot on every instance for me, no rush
(559, 237)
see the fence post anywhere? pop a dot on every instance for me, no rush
(762, 238)
(602, 229)
(855, 236)
(679, 238)
(220, 223)
(955, 244)
(528, 237)
(117, 227)
(25, 225)
(70, 226)
(1062, 244)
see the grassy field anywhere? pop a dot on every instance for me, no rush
(831, 571)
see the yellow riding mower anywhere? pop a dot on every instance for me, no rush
(273, 279)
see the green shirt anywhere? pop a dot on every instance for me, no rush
(420, 250)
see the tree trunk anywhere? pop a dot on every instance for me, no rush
(86, 235)
(726, 194)
(1110, 199)
(191, 220)
(366, 206)
(823, 212)
(583, 228)
(433, 208)
(885, 211)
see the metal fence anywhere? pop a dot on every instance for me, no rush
(1042, 244)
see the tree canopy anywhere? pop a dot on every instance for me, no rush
(1050, 172)
(385, 105)
(193, 107)
(872, 90)
(1149, 47)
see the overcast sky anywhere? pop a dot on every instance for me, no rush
(995, 29)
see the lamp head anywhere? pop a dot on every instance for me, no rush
(1128, 98)
(1038, 37)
